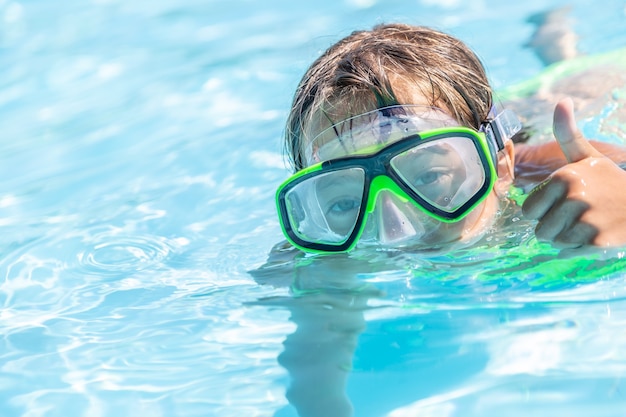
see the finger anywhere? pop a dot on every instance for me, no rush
(580, 234)
(570, 138)
(577, 252)
(543, 197)
(559, 220)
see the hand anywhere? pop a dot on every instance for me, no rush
(584, 202)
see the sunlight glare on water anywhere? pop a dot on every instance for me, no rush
(140, 152)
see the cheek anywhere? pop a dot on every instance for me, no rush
(475, 223)
(483, 216)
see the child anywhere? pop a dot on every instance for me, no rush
(414, 105)
(396, 140)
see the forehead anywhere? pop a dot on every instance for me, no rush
(370, 130)
(345, 104)
(342, 113)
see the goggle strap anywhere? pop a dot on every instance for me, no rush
(501, 128)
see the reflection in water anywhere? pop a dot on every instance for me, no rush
(328, 310)
(390, 334)
(404, 359)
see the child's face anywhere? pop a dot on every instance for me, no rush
(437, 169)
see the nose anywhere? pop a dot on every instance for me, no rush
(397, 220)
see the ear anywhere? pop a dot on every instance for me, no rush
(506, 169)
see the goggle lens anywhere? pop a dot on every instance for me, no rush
(446, 173)
(325, 208)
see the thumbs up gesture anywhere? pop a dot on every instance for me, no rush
(584, 202)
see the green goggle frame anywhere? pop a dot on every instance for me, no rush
(380, 173)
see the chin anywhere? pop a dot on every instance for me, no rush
(459, 235)
(432, 244)
(446, 237)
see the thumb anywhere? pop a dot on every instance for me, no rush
(570, 138)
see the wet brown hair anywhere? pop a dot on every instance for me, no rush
(380, 67)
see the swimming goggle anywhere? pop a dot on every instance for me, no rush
(444, 172)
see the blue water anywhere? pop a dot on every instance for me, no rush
(139, 155)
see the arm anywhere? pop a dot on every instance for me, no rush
(582, 203)
(535, 163)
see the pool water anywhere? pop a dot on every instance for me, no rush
(139, 155)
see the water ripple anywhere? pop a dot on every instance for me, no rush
(112, 254)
